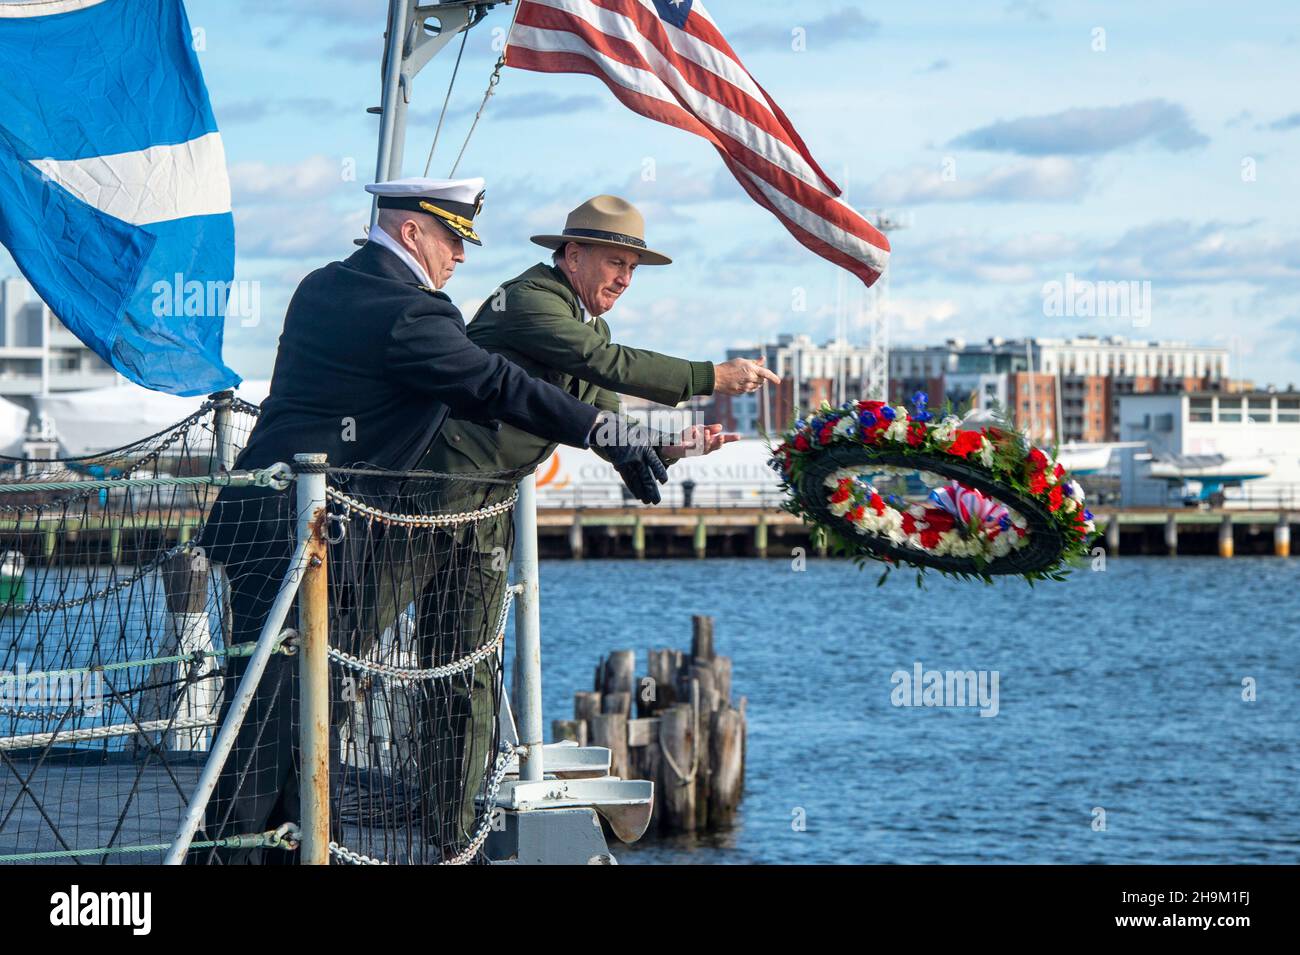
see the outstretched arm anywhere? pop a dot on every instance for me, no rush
(428, 351)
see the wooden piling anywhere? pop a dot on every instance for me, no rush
(1112, 536)
(677, 741)
(663, 665)
(617, 673)
(701, 637)
(610, 730)
(638, 539)
(701, 541)
(1225, 536)
(1171, 534)
(575, 537)
(1282, 536)
(687, 737)
(760, 536)
(586, 704)
(617, 703)
(726, 759)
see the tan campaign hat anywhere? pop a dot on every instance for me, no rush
(606, 220)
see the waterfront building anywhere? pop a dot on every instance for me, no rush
(38, 355)
(1247, 443)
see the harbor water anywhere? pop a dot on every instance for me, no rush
(1124, 730)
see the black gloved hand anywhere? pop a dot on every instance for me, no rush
(640, 476)
(630, 447)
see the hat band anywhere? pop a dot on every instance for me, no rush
(447, 208)
(606, 236)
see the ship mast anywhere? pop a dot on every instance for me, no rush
(416, 33)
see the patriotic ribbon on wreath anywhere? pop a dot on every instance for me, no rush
(965, 503)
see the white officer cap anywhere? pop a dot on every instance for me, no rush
(453, 202)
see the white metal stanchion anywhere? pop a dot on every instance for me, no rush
(528, 633)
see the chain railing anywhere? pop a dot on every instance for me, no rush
(104, 535)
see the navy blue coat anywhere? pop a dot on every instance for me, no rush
(369, 366)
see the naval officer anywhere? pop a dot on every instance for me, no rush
(372, 360)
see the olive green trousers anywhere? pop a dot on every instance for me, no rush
(457, 579)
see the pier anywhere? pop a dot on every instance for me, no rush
(635, 532)
(640, 532)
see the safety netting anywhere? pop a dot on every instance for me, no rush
(129, 609)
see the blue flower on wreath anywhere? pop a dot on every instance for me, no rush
(888, 413)
(1004, 522)
(920, 400)
(800, 424)
(1087, 514)
(867, 420)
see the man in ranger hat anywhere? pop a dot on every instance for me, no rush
(372, 360)
(549, 321)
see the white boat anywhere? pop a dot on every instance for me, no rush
(1215, 468)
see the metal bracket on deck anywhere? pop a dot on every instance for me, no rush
(568, 760)
(626, 804)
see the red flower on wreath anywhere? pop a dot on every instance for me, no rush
(801, 443)
(929, 538)
(843, 491)
(916, 434)
(1037, 460)
(1054, 499)
(909, 523)
(965, 443)
(877, 504)
(1038, 483)
(939, 520)
(827, 431)
(855, 514)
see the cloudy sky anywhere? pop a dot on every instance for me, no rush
(1019, 141)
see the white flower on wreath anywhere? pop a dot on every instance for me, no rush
(852, 474)
(946, 430)
(986, 452)
(1075, 490)
(845, 427)
(897, 430)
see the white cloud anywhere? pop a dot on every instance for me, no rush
(312, 178)
(1052, 178)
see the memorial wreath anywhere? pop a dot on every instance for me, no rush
(989, 503)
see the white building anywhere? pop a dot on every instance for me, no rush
(1254, 432)
(38, 355)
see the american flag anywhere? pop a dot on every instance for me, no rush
(666, 59)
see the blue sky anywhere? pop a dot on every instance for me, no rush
(1021, 143)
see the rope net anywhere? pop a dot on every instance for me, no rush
(128, 612)
(418, 602)
(110, 634)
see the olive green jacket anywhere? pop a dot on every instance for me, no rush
(536, 321)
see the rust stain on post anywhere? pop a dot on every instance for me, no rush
(313, 635)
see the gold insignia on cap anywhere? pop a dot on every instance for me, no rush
(459, 224)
